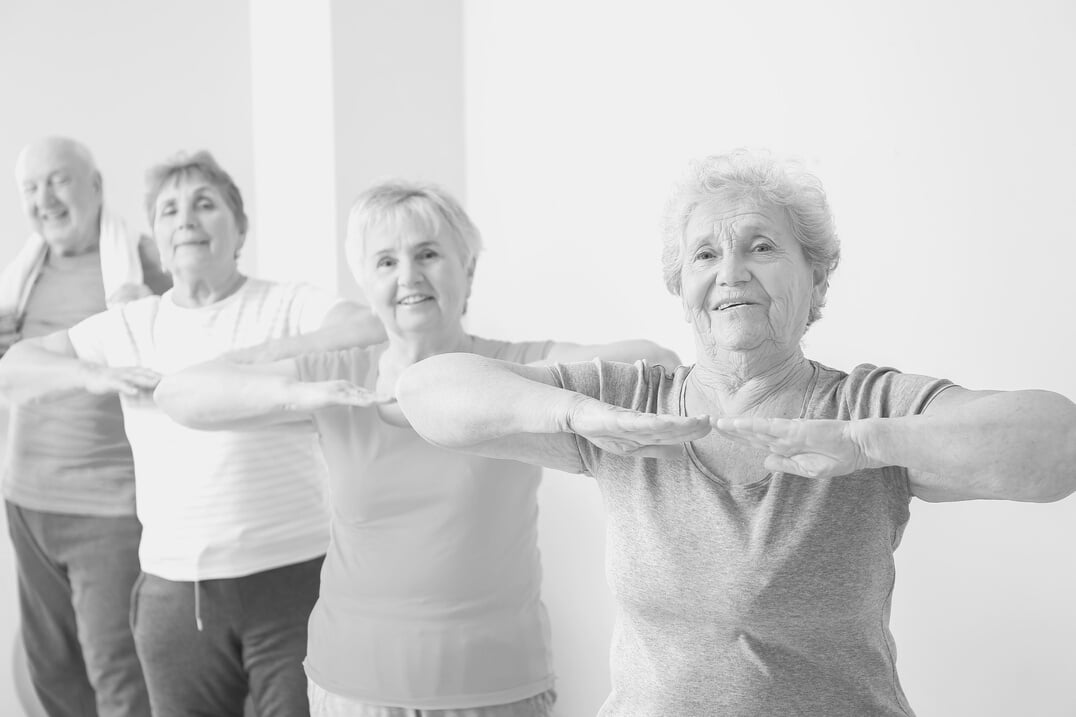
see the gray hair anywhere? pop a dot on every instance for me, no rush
(184, 165)
(396, 202)
(757, 175)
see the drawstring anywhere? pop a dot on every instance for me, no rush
(197, 607)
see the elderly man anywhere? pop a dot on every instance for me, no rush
(68, 478)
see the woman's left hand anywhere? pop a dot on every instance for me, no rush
(806, 447)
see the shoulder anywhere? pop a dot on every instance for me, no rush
(353, 364)
(638, 385)
(870, 391)
(515, 351)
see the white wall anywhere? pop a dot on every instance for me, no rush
(137, 82)
(943, 132)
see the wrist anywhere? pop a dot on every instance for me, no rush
(868, 436)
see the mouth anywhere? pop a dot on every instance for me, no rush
(54, 216)
(728, 304)
(414, 300)
(190, 243)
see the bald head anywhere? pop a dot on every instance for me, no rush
(61, 193)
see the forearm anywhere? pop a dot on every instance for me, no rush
(1018, 445)
(465, 400)
(29, 372)
(222, 395)
(360, 333)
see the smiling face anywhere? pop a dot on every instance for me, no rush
(61, 195)
(745, 283)
(195, 230)
(415, 276)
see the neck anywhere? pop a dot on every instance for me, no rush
(193, 293)
(742, 384)
(407, 348)
(82, 245)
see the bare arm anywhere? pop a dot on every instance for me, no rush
(504, 410)
(1009, 445)
(223, 395)
(348, 325)
(48, 367)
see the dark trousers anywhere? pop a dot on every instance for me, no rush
(252, 639)
(75, 575)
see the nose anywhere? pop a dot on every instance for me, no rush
(409, 274)
(733, 270)
(45, 195)
(184, 217)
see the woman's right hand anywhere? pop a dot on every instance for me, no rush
(633, 433)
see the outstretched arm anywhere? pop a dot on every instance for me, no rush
(348, 325)
(1010, 445)
(503, 410)
(48, 367)
(223, 395)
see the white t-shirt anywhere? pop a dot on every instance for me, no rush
(216, 504)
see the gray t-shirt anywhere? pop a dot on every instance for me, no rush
(755, 600)
(68, 455)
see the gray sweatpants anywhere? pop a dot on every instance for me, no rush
(75, 574)
(251, 638)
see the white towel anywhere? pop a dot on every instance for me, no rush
(120, 264)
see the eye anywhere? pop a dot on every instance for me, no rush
(762, 247)
(386, 262)
(705, 255)
(61, 180)
(205, 203)
(167, 210)
(427, 254)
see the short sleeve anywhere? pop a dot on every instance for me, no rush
(619, 384)
(97, 338)
(348, 364)
(513, 351)
(882, 392)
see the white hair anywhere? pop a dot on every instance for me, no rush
(758, 175)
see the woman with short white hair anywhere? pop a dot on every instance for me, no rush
(752, 565)
(430, 594)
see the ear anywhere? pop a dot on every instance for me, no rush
(470, 274)
(98, 183)
(239, 245)
(821, 286)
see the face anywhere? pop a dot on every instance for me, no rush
(61, 195)
(745, 283)
(195, 229)
(416, 280)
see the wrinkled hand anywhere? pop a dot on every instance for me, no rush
(326, 394)
(126, 381)
(631, 433)
(806, 447)
(128, 292)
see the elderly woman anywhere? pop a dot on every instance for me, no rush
(430, 595)
(743, 587)
(234, 524)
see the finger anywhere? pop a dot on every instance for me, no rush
(780, 464)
